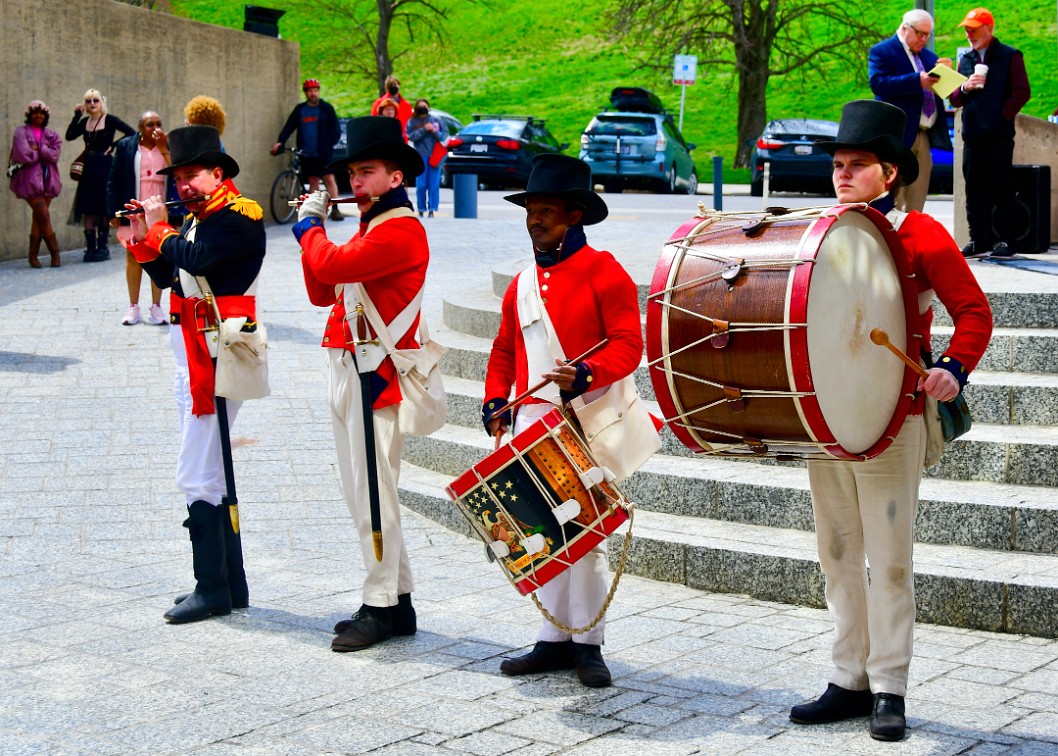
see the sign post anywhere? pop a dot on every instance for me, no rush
(684, 72)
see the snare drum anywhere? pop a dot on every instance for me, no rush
(540, 502)
(758, 333)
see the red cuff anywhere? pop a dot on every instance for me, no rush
(157, 234)
(142, 252)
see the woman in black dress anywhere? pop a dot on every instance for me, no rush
(90, 203)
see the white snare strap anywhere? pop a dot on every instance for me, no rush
(542, 347)
(925, 298)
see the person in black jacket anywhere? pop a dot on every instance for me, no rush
(997, 88)
(318, 131)
(215, 257)
(98, 129)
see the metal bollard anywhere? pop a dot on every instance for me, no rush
(465, 191)
(718, 182)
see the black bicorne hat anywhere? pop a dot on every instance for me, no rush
(379, 138)
(877, 127)
(567, 177)
(198, 145)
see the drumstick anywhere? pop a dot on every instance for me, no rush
(529, 392)
(881, 338)
(496, 439)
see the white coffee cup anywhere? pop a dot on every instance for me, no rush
(981, 69)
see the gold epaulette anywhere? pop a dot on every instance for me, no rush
(249, 208)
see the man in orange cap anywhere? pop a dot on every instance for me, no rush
(997, 88)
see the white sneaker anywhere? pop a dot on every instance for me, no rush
(132, 317)
(156, 316)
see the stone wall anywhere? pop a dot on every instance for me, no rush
(1036, 143)
(140, 60)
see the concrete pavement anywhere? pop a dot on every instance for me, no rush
(92, 552)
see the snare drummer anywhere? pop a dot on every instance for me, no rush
(866, 510)
(588, 297)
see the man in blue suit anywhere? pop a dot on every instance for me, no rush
(898, 70)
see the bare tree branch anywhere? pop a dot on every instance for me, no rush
(758, 38)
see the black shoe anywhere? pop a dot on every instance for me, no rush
(336, 214)
(1002, 249)
(370, 625)
(546, 656)
(971, 252)
(591, 669)
(834, 705)
(887, 718)
(403, 616)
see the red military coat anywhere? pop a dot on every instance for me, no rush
(390, 262)
(589, 297)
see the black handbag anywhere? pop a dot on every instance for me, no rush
(955, 417)
(77, 166)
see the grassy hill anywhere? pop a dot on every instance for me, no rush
(556, 59)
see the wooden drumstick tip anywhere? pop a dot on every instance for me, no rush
(879, 336)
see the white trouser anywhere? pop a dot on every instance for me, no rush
(200, 466)
(387, 579)
(867, 509)
(913, 196)
(576, 595)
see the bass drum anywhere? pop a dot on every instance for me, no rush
(758, 333)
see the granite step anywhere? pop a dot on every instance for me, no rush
(1000, 453)
(996, 397)
(1022, 350)
(1010, 309)
(965, 513)
(978, 588)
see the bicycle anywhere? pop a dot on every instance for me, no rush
(286, 188)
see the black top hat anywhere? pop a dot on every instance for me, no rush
(379, 138)
(198, 145)
(878, 127)
(564, 176)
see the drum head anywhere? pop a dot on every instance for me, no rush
(855, 287)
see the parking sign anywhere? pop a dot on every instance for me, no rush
(685, 69)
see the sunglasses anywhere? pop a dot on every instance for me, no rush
(91, 99)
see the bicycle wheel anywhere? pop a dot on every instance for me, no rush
(285, 188)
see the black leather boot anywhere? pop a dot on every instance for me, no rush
(240, 592)
(102, 235)
(210, 597)
(546, 656)
(370, 625)
(90, 245)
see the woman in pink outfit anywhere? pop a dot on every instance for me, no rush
(36, 149)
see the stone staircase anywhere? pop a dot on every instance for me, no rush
(987, 527)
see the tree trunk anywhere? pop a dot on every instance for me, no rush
(383, 63)
(752, 65)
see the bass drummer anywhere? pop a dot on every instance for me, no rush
(580, 296)
(866, 510)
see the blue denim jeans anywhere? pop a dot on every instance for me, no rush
(429, 179)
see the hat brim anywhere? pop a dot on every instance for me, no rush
(409, 160)
(208, 158)
(887, 148)
(595, 210)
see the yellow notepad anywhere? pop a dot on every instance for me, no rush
(949, 80)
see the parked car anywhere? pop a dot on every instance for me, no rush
(499, 149)
(797, 164)
(635, 143)
(451, 123)
(942, 177)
